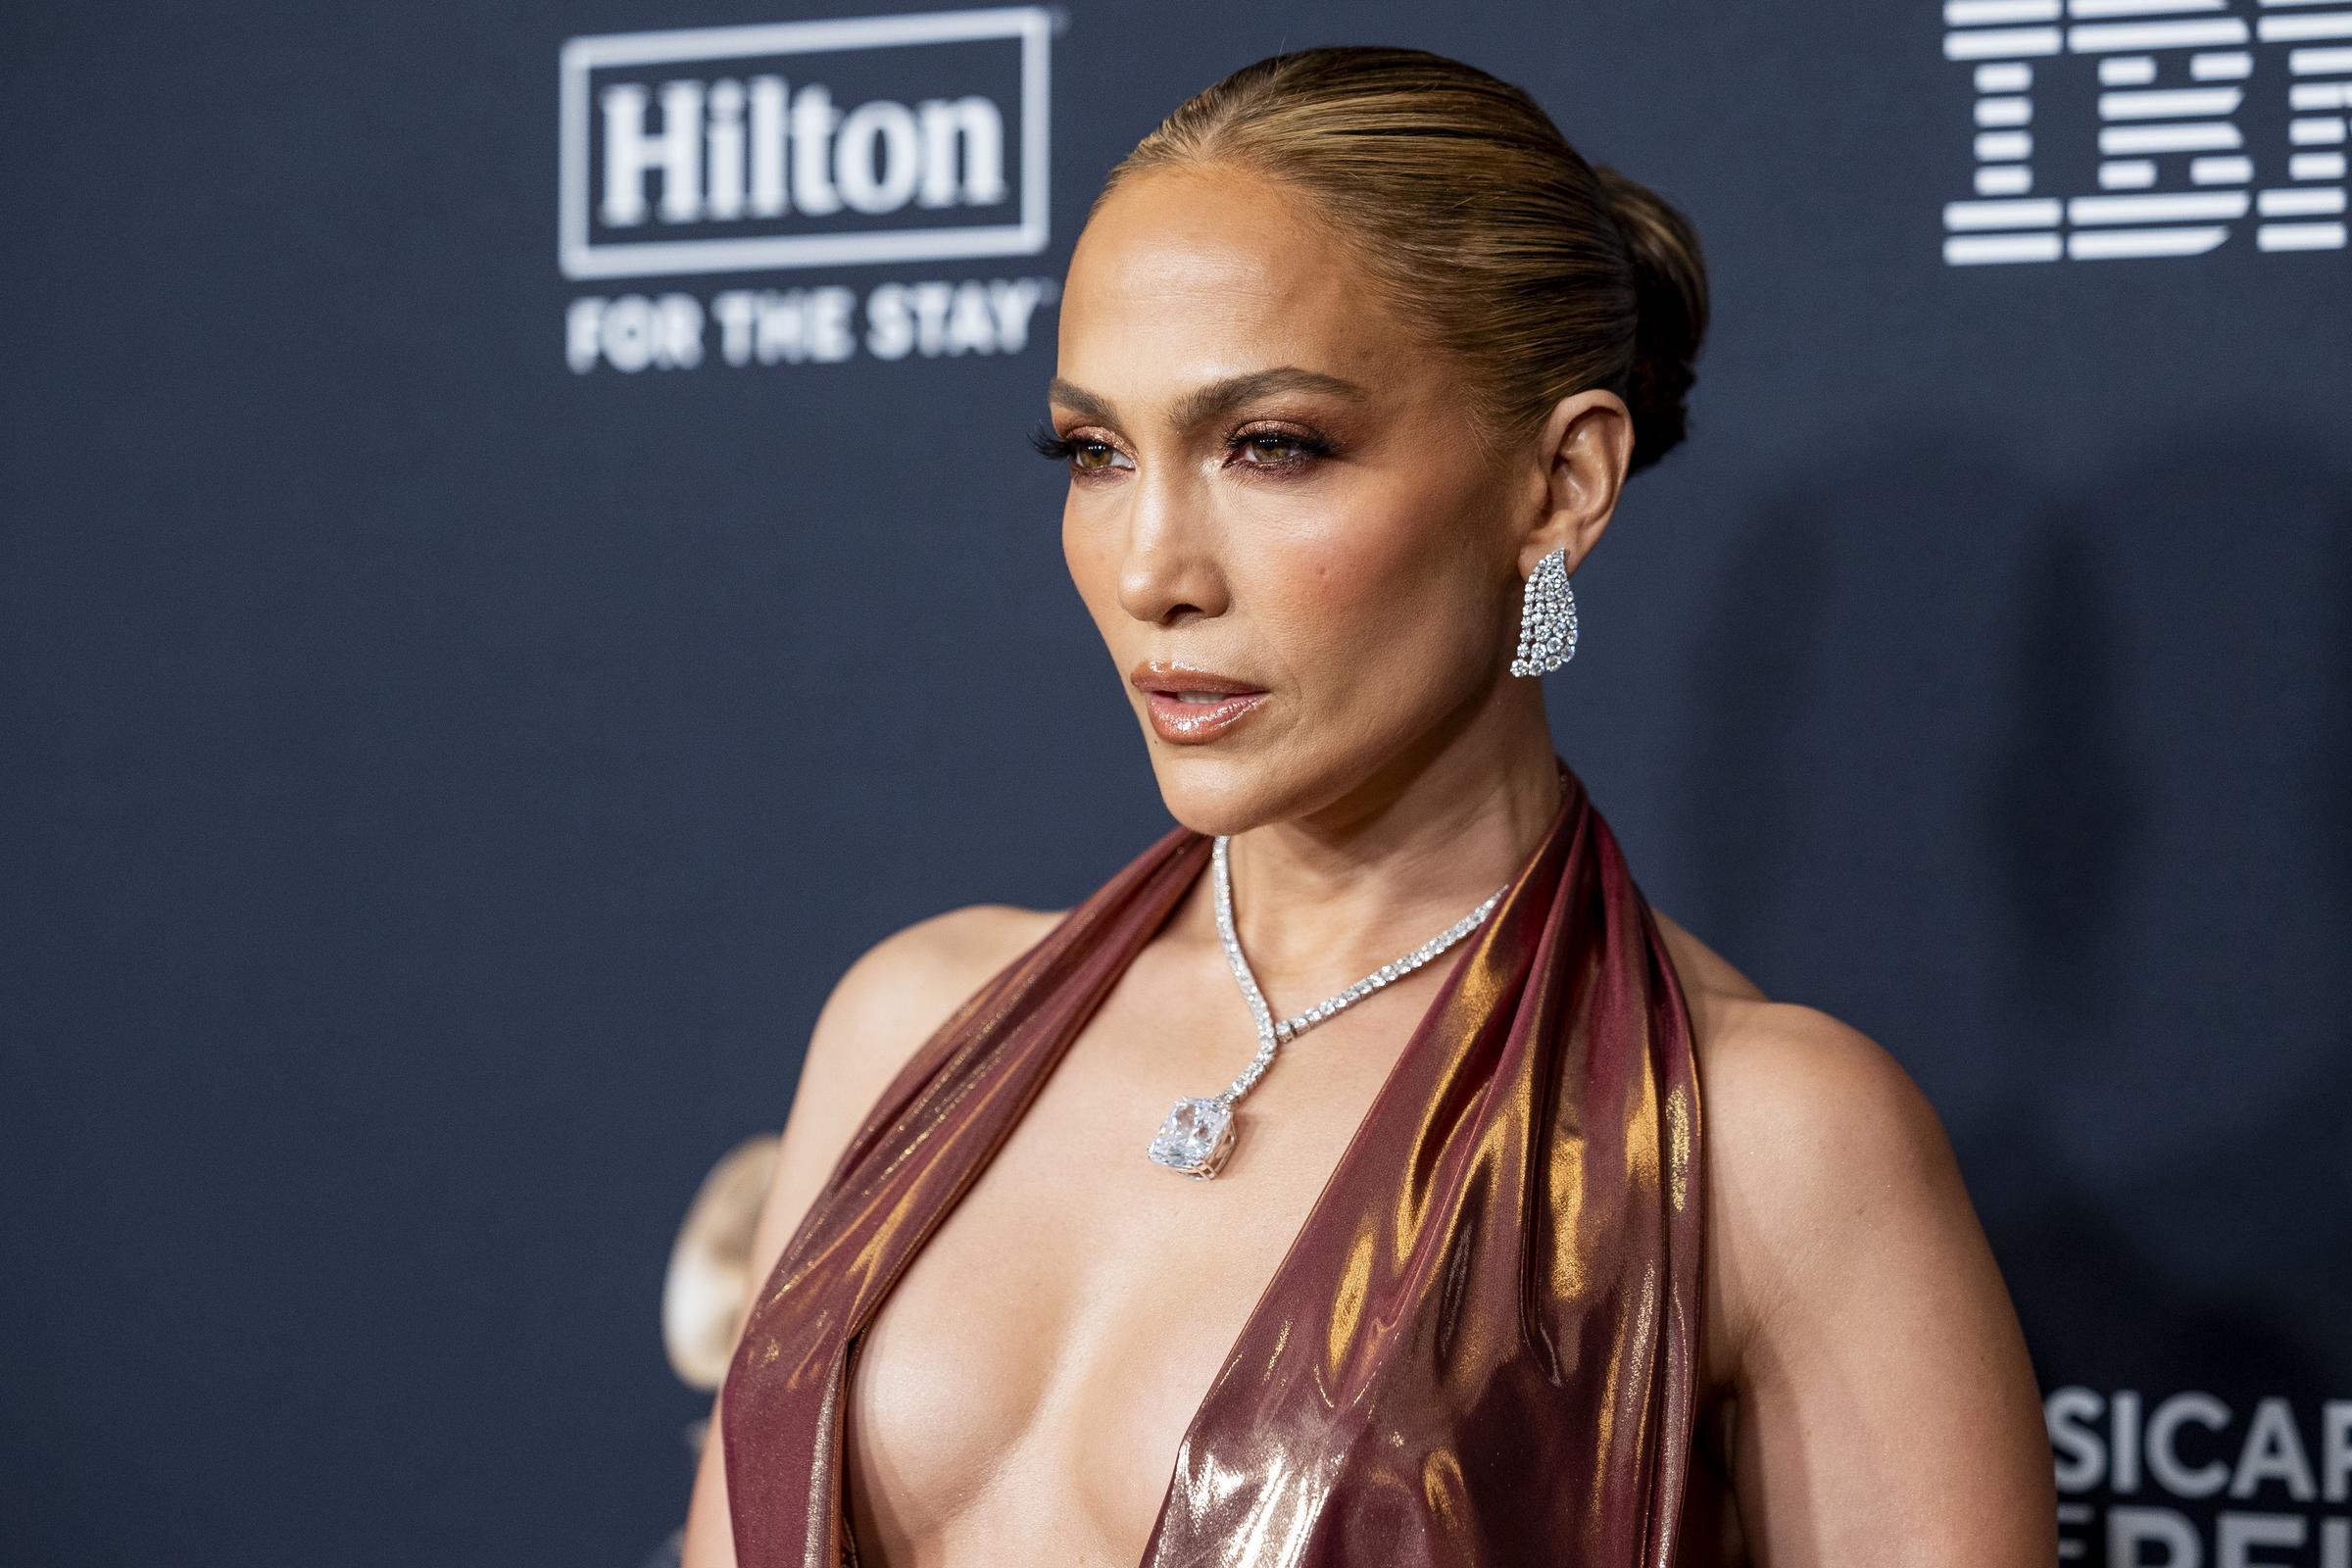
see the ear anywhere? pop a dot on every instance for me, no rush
(1586, 445)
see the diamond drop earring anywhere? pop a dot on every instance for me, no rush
(1547, 617)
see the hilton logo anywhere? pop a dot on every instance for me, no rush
(800, 144)
(806, 143)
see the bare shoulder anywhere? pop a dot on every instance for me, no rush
(888, 1004)
(1888, 1407)
(1791, 1084)
(1809, 1121)
(892, 997)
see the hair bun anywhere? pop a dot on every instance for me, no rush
(1670, 288)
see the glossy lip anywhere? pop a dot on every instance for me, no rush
(1192, 723)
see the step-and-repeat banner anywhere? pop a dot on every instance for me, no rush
(522, 560)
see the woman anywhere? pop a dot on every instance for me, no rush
(1541, 1235)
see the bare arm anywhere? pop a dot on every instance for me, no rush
(1888, 1412)
(884, 1006)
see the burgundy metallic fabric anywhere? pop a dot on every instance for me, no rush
(1481, 1347)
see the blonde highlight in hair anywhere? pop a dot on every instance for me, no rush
(1538, 273)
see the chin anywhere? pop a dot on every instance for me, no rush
(1219, 789)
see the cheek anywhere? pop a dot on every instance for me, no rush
(1091, 572)
(1395, 599)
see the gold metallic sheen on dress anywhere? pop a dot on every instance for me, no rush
(1481, 1348)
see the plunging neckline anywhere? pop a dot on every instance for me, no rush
(1317, 1213)
(1481, 1342)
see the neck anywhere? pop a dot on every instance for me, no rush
(1324, 897)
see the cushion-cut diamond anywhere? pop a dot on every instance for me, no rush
(1196, 1138)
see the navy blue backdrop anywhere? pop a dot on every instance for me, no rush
(483, 653)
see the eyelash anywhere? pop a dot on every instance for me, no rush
(1065, 449)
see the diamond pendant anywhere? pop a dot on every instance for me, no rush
(1196, 1138)
(1197, 1135)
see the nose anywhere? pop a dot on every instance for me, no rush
(1170, 569)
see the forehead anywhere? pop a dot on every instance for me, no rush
(1186, 276)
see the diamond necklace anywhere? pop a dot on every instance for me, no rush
(1198, 1134)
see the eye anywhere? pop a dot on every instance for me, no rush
(1081, 454)
(1279, 449)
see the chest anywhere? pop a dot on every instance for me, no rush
(1026, 1383)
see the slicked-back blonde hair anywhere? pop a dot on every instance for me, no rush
(1538, 273)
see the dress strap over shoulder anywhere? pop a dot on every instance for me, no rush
(1481, 1348)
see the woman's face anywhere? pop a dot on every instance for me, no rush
(1272, 483)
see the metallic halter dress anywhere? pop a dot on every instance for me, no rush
(1482, 1346)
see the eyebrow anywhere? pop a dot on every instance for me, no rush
(1206, 402)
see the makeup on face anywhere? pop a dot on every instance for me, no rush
(1191, 706)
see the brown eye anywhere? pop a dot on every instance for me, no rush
(1083, 453)
(1277, 451)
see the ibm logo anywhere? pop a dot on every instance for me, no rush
(802, 144)
(2180, 83)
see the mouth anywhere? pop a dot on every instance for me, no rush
(1189, 706)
